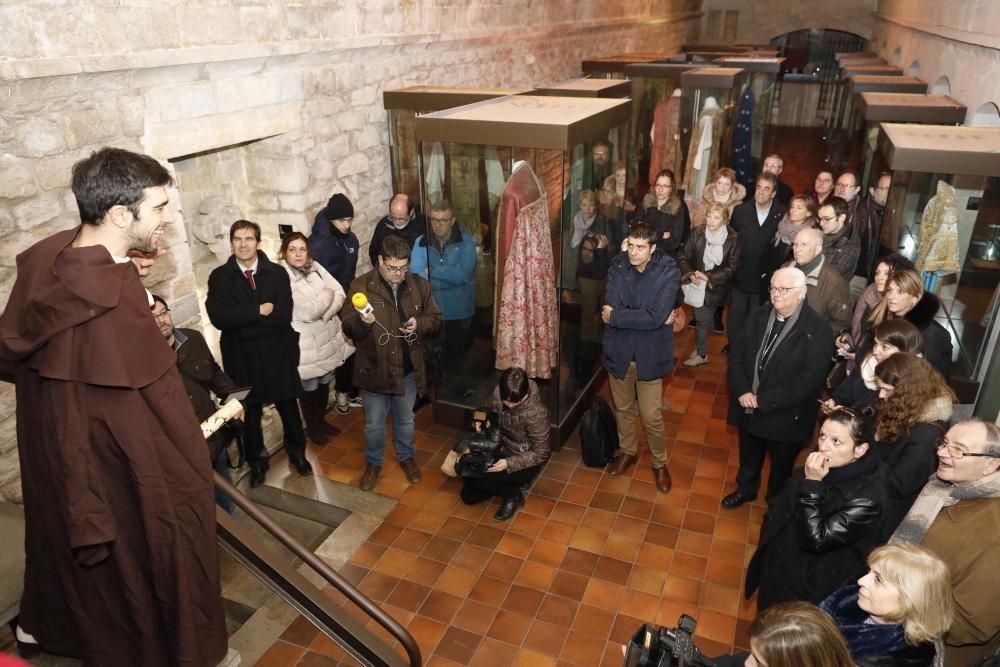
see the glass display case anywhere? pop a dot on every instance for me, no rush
(709, 98)
(711, 55)
(762, 75)
(877, 108)
(586, 87)
(613, 67)
(661, 135)
(855, 55)
(404, 105)
(839, 84)
(943, 212)
(542, 249)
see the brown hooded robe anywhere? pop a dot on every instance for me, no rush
(122, 560)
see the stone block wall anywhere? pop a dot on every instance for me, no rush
(269, 105)
(761, 21)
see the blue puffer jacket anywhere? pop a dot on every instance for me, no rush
(642, 302)
(337, 252)
(452, 272)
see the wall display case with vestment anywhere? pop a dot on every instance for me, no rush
(839, 84)
(844, 106)
(943, 213)
(661, 135)
(753, 113)
(403, 106)
(613, 67)
(550, 245)
(877, 108)
(709, 99)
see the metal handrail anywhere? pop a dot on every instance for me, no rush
(320, 566)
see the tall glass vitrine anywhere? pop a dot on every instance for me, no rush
(763, 75)
(545, 244)
(613, 67)
(710, 96)
(943, 212)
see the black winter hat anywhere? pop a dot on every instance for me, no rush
(339, 207)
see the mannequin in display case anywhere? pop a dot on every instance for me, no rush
(703, 156)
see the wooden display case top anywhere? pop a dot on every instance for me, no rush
(941, 149)
(526, 121)
(712, 77)
(866, 68)
(588, 88)
(912, 108)
(769, 65)
(661, 70)
(438, 98)
(868, 83)
(617, 63)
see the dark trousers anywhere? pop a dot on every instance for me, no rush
(343, 377)
(291, 423)
(456, 343)
(502, 484)
(743, 303)
(752, 452)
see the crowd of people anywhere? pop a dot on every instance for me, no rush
(880, 549)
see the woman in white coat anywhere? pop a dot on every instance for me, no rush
(317, 298)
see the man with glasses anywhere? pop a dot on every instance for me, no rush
(756, 223)
(402, 221)
(773, 164)
(868, 229)
(389, 367)
(826, 291)
(840, 246)
(777, 365)
(957, 516)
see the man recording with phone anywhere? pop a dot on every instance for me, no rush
(388, 328)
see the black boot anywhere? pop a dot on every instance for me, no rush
(322, 400)
(308, 403)
(509, 507)
(718, 326)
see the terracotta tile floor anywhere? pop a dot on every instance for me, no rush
(585, 563)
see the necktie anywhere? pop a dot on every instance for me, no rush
(249, 273)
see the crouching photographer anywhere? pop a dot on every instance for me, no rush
(522, 445)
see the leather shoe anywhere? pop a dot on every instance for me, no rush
(509, 507)
(370, 477)
(329, 428)
(302, 465)
(621, 464)
(413, 475)
(734, 500)
(257, 476)
(662, 477)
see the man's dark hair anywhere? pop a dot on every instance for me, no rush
(643, 231)
(244, 224)
(769, 177)
(395, 247)
(839, 206)
(441, 206)
(158, 298)
(513, 385)
(853, 174)
(114, 177)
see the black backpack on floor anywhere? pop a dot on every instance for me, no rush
(598, 434)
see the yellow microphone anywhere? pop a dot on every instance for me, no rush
(360, 303)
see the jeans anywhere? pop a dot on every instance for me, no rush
(312, 384)
(704, 320)
(633, 397)
(221, 465)
(377, 407)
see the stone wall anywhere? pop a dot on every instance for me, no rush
(760, 21)
(277, 103)
(955, 47)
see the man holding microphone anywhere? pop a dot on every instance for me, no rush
(388, 333)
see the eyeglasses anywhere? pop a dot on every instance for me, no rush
(160, 316)
(399, 220)
(782, 291)
(830, 219)
(398, 270)
(804, 245)
(956, 453)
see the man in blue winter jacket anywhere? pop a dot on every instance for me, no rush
(639, 345)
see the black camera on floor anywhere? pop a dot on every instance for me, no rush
(653, 646)
(481, 448)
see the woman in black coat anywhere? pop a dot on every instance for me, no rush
(715, 244)
(860, 388)
(665, 211)
(819, 531)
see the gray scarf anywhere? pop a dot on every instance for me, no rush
(787, 329)
(935, 496)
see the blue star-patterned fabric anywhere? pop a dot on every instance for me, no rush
(742, 139)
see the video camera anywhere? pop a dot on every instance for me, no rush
(653, 646)
(480, 448)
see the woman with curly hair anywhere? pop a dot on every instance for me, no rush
(859, 388)
(910, 416)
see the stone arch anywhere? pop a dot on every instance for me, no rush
(987, 115)
(913, 69)
(897, 56)
(941, 87)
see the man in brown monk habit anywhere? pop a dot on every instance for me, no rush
(122, 561)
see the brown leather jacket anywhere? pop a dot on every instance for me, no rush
(525, 430)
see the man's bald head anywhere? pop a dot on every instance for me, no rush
(399, 210)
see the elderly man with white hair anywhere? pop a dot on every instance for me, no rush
(957, 516)
(827, 292)
(776, 370)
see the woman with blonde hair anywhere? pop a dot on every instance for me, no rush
(723, 190)
(911, 414)
(896, 614)
(801, 214)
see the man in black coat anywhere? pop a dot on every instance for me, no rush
(402, 221)
(756, 223)
(250, 302)
(774, 164)
(777, 366)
